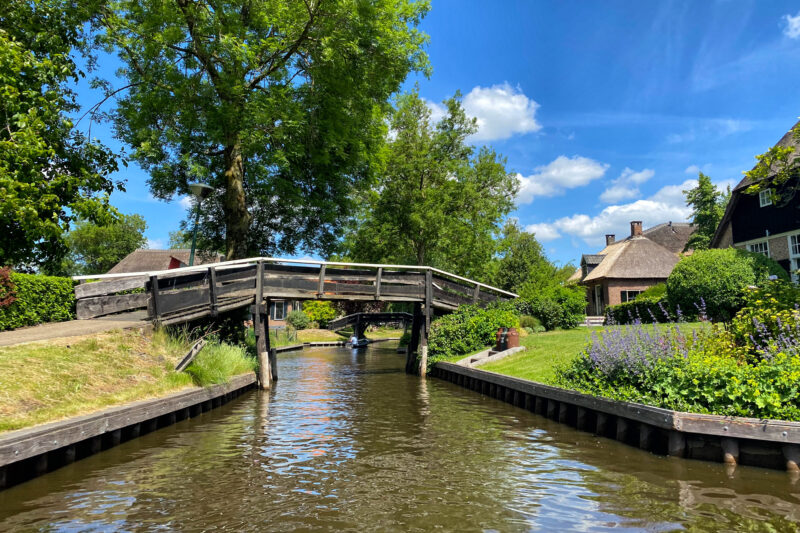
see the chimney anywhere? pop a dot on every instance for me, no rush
(610, 238)
(636, 228)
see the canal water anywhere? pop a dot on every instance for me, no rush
(347, 441)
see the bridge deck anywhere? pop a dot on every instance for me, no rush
(184, 294)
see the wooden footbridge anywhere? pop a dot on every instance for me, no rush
(184, 294)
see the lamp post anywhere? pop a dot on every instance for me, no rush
(200, 192)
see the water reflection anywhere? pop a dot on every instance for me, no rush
(348, 441)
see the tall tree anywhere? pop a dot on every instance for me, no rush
(522, 260)
(708, 205)
(50, 174)
(277, 104)
(778, 169)
(94, 249)
(439, 201)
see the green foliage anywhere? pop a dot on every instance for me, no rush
(319, 312)
(298, 319)
(777, 169)
(528, 321)
(38, 299)
(438, 201)
(217, 363)
(767, 311)
(708, 206)
(522, 261)
(468, 329)
(710, 378)
(556, 306)
(279, 106)
(659, 290)
(404, 339)
(50, 173)
(643, 308)
(717, 277)
(95, 249)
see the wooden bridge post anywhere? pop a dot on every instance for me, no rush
(261, 329)
(212, 289)
(413, 343)
(378, 277)
(154, 299)
(423, 337)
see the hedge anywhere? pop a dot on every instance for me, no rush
(643, 308)
(37, 299)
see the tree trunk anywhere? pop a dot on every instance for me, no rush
(237, 218)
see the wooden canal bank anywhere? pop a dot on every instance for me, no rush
(730, 440)
(31, 452)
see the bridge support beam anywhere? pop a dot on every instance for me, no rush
(413, 344)
(261, 329)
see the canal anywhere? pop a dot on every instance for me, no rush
(348, 441)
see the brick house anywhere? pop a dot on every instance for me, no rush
(625, 268)
(145, 260)
(764, 223)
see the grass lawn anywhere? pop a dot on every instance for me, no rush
(50, 380)
(545, 351)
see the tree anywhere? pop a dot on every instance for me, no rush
(439, 201)
(778, 169)
(180, 239)
(95, 249)
(277, 104)
(522, 261)
(50, 173)
(708, 206)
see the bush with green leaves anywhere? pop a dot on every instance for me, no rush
(319, 312)
(468, 329)
(528, 321)
(558, 306)
(37, 299)
(298, 319)
(659, 290)
(768, 311)
(642, 309)
(717, 277)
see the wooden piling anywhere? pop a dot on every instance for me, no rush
(676, 444)
(601, 428)
(622, 429)
(730, 451)
(791, 452)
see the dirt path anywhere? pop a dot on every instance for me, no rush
(74, 328)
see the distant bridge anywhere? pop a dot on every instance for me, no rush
(360, 321)
(184, 294)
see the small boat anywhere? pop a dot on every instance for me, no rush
(360, 343)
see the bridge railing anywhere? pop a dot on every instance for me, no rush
(183, 294)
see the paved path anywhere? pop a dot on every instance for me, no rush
(74, 328)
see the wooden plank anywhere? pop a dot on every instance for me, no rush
(212, 290)
(107, 305)
(476, 294)
(189, 357)
(102, 288)
(321, 289)
(239, 286)
(378, 277)
(154, 298)
(171, 302)
(26, 443)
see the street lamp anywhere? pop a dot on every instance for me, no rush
(200, 192)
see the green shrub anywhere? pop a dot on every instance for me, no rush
(298, 319)
(37, 299)
(659, 290)
(767, 312)
(468, 329)
(404, 339)
(556, 306)
(528, 321)
(643, 308)
(319, 312)
(717, 278)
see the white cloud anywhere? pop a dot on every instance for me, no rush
(792, 28)
(665, 205)
(186, 202)
(692, 169)
(438, 111)
(502, 111)
(626, 186)
(155, 244)
(543, 232)
(559, 175)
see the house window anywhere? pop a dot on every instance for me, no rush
(277, 310)
(765, 198)
(297, 305)
(794, 256)
(628, 296)
(759, 247)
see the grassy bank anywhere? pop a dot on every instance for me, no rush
(46, 381)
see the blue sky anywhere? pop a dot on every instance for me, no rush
(606, 110)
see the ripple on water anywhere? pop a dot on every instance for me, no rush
(349, 442)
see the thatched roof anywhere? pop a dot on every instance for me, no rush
(787, 140)
(635, 257)
(152, 260)
(671, 235)
(591, 259)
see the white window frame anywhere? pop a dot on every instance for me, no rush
(794, 256)
(625, 296)
(765, 198)
(273, 310)
(760, 247)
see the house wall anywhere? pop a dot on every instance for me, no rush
(289, 306)
(614, 288)
(779, 249)
(750, 221)
(726, 239)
